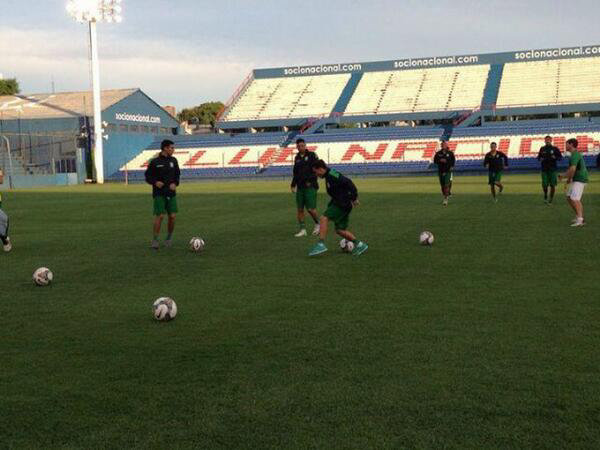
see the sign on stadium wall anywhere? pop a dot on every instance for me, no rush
(434, 61)
(394, 151)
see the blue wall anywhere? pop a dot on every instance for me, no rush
(122, 146)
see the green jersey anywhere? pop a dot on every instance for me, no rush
(581, 173)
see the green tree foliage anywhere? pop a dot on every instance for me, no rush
(205, 114)
(9, 87)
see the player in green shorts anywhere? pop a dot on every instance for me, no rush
(445, 161)
(495, 162)
(549, 155)
(305, 185)
(344, 196)
(6, 245)
(163, 174)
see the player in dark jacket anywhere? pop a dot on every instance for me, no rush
(305, 185)
(344, 196)
(549, 155)
(163, 174)
(445, 160)
(495, 162)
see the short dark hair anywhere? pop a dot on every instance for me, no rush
(494, 143)
(573, 142)
(548, 137)
(319, 164)
(164, 144)
(300, 140)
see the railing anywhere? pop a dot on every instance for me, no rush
(237, 92)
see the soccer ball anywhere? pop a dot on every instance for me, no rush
(426, 238)
(346, 245)
(42, 276)
(197, 244)
(164, 309)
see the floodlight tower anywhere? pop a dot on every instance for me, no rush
(92, 12)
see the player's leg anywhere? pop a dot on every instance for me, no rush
(160, 208)
(300, 204)
(320, 246)
(492, 183)
(545, 185)
(498, 182)
(310, 201)
(576, 203)
(172, 211)
(4, 223)
(552, 181)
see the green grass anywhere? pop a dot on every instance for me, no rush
(488, 339)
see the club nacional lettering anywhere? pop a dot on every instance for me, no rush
(127, 117)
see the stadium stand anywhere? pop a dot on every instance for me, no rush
(551, 82)
(274, 98)
(389, 117)
(443, 89)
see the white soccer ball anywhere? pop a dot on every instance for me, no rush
(164, 309)
(42, 276)
(426, 238)
(346, 245)
(197, 244)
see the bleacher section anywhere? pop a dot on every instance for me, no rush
(441, 89)
(360, 151)
(551, 82)
(277, 98)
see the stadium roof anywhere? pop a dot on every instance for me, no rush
(58, 105)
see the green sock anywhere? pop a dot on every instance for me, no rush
(155, 237)
(169, 236)
(301, 225)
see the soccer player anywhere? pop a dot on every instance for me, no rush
(305, 185)
(6, 245)
(577, 177)
(445, 160)
(495, 162)
(344, 196)
(549, 155)
(163, 174)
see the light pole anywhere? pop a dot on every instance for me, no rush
(92, 12)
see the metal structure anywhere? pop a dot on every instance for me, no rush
(92, 12)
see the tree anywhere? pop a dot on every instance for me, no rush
(205, 114)
(9, 86)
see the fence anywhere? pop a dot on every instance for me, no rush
(36, 159)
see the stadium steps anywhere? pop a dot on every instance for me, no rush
(492, 86)
(347, 93)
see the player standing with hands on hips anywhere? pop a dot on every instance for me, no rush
(445, 161)
(6, 245)
(163, 174)
(577, 177)
(305, 185)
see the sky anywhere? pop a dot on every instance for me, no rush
(185, 52)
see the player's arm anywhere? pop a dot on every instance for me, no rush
(505, 158)
(348, 184)
(452, 160)
(294, 176)
(539, 156)
(177, 172)
(1, 176)
(150, 173)
(557, 154)
(568, 175)
(436, 158)
(486, 161)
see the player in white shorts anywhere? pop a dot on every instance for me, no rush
(577, 177)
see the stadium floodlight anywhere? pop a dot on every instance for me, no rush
(92, 12)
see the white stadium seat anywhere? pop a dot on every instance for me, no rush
(559, 81)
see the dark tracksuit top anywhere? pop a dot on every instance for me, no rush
(549, 155)
(445, 160)
(341, 189)
(165, 169)
(304, 177)
(495, 163)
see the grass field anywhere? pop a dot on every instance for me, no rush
(488, 339)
